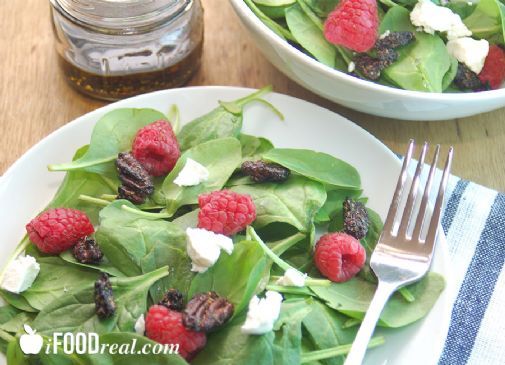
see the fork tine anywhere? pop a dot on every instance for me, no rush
(411, 200)
(393, 209)
(416, 234)
(437, 211)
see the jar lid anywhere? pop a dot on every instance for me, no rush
(124, 15)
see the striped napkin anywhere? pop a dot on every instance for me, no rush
(474, 223)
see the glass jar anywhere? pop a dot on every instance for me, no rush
(112, 49)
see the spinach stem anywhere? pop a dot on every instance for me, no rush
(108, 197)
(145, 214)
(280, 262)
(351, 322)
(289, 289)
(93, 200)
(309, 281)
(317, 282)
(337, 351)
(77, 166)
(255, 95)
(174, 113)
(5, 336)
(407, 294)
(271, 107)
(286, 244)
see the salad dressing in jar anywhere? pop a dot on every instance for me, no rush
(113, 49)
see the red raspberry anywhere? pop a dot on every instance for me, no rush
(494, 67)
(156, 148)
(353, 24)
(56, 230)
(165, 326)
(225, 212)
(339, 256)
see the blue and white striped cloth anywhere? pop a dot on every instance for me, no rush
(474, 223)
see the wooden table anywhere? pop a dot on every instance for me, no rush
(35, 100)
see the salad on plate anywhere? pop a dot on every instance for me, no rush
(420, 45)
(204, 239)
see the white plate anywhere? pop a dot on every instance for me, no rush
(27, 186)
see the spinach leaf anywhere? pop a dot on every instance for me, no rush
(220, 156)
(224, 121)
(274, 26)
(421, 65)
(294, 202)
(236, 277)
(487, 21)
(253, 147)
(310, 36)
(104, 265)
(75, 311)
(8, 312)
(113, 133)
(333, 206)
(188, 220)
(17, 301)
(229, 346)
(15, 324)
(15, 355)
(55, 278)
(451, 74)
(317, 166)
(325, 328)
(79, 182)
(135, 244)
(275, 12)
(322, 7)
(353, 297)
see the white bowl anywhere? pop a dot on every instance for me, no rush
(359, 94)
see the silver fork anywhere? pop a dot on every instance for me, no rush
(401, 258)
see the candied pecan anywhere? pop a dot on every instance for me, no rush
(172, 300)
(368, 66)
(386, 56)
(136, 184)
(86, 251)
(395, 40)
(207, 311)
(466, 79)
(356, 219)
(105, 306)
(261, 171)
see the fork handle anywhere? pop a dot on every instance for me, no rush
(360, 344)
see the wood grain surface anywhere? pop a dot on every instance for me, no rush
(35, 100)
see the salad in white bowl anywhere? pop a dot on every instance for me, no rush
(391, 58)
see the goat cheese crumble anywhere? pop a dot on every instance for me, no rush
(20, 274)
(431, 17)
(469, 51)
(140, 325)
(262, 313)
(292, 277)
(204, 247)
(193, 173)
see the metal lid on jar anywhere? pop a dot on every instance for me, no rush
(125, 16)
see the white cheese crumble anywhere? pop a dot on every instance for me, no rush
(385, 34)
(193, 173)
(262, 313)
(204, 247)
(20, 274)
(469, 51)
(432, 17)
(351, 67)
(292, 277)
(140, 325)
